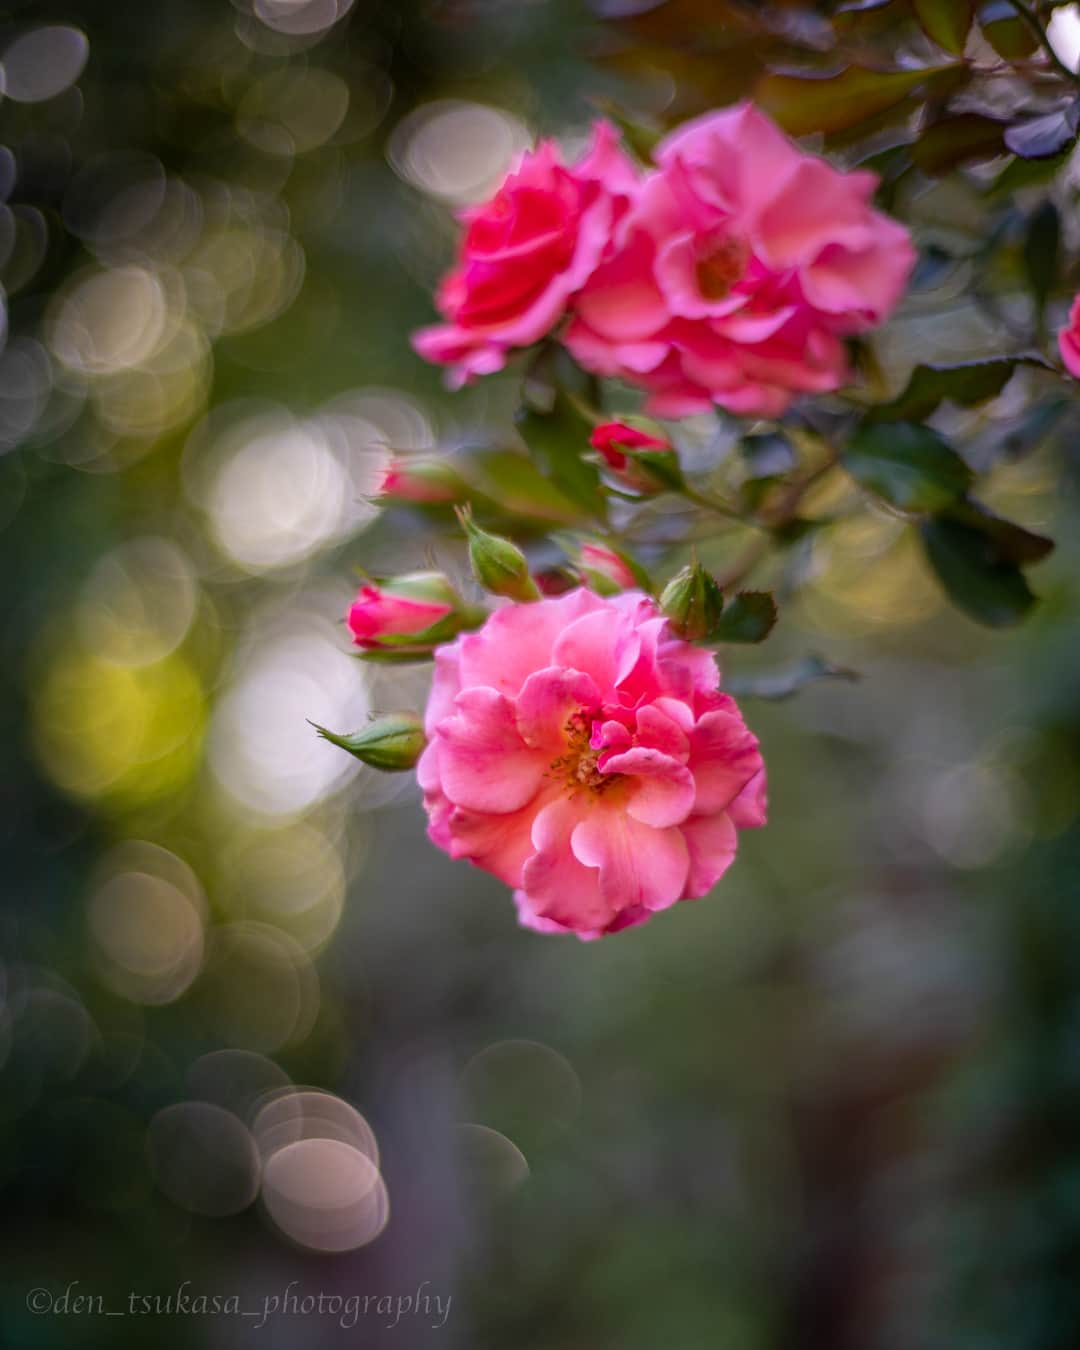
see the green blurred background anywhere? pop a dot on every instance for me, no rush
(254, 1029)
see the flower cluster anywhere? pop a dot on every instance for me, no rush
(583, 754)
(729, 273)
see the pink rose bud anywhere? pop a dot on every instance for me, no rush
(1069, 341)
(604, 570)
(587, 758)
(555, 580)
(392, 742)
(642, 461)
(421, 481)
(406, 614)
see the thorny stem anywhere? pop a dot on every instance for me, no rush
(1028, 15)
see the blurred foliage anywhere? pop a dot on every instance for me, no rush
(834, 1105)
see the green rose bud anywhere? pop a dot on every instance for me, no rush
(497, 563)
(692, 602)
(392, 742)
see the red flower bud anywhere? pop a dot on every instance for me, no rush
(645, 463)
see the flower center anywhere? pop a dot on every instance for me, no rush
(579, 767)
(722, 268)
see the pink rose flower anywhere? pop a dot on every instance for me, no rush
(525, 252)
(742, 265)
(585, 756)
(1069, 341)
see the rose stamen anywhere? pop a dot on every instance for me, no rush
(579, 767)
(721, 269)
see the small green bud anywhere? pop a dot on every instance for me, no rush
(497, 563)
(692, 602)
(392, 742)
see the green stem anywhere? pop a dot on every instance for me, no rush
(717, 507)
(1028, 15)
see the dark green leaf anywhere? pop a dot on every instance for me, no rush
(1016, 544)
(1042, 137)
(1042, 246)
(749, 616)
(557, 441)
(802, 105)
(964, 139)
(1006, 32)
(911, 466)
(780, 684)
(967, 384)
(976, 571)
(946, 21)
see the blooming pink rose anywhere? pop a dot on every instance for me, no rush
(585, 756)
(525, 252)
(1069, 341)
(741, 266)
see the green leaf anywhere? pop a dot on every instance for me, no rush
(780, 684)
(977, 572)
(748, 616)
(515, 483)
(946, 22)
(836, 102)
(557, 441)
(1042, 247)
(911, 466)
(1022, 173)
(964, 139)
(1015, 543)
(967, 384)
(1006, 32)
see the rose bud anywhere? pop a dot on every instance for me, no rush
(421, 481)
(407, 615)
(1069, 341)
(604, 570)
(556, 580)
(641, 461)
(692, 602)
(497, 563)
(393, 742)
